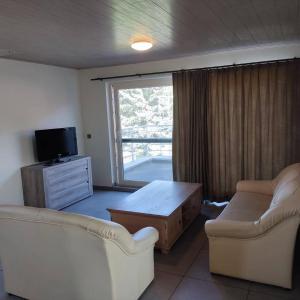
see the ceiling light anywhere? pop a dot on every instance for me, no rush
(141, 46)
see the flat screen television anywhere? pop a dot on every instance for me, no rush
(52, 144)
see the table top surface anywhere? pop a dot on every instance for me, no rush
(158, 198)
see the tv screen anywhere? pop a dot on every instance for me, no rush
(55, 143)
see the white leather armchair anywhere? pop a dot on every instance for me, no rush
(49, 255)
(254, 237)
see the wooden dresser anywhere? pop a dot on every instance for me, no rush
(59, 185)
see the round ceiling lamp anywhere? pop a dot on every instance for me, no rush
(141, 45)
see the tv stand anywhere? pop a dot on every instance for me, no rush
(57, 185)
(56, 161)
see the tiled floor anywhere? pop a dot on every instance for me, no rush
(96, 205)
(183, 274)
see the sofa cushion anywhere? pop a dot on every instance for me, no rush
(246, 206)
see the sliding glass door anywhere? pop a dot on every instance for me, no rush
(142, 131)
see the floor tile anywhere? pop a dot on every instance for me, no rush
(193, 289)
(162, 287)
(200, 270)
(96, 205)
(259, 296)
(270, 290)
(206, 245)
(184, 251)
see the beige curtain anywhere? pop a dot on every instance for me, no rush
(249, 124)
(190, 126)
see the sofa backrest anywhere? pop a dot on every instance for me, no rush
(284, 206)
(286, 184)
(103, 229)
(76, 253)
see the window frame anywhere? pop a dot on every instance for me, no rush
(115, 138)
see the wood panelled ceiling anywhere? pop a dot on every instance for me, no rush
(92, 33)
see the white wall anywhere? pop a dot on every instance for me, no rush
(93, 97)
(32, 96)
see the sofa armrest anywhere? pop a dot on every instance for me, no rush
(145, 238)
(130, 244)
(231, 229)
(256, 186)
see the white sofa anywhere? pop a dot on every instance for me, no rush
(254, 237)
(49, 255)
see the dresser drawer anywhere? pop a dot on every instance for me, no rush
(60, 199)
(61, 178)
(57, 173)
(67, 182)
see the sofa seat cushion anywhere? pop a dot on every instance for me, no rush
(246, 206)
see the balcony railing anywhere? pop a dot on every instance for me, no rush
(145, 142)
(135, 149)
(147, 153)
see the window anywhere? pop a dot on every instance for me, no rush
(142, 114)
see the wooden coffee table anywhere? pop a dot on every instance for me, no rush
(168, 206)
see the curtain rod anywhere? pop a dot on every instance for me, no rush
(196, 69)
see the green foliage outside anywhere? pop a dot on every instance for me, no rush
(146, 113)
